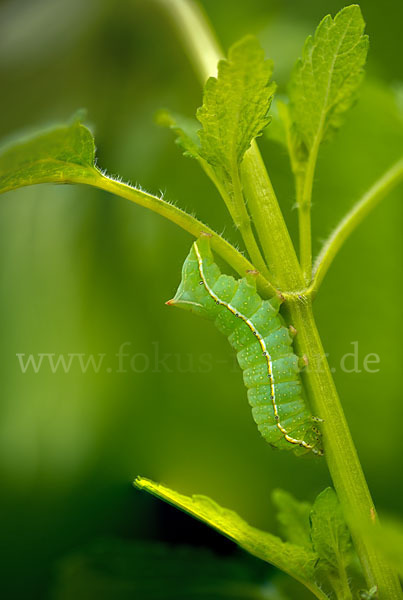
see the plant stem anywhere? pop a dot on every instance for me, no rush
(239, 214)
(187, 222)
(340, 585)
(196, 34)
(304, 200)
(276, 242)
(243, 223)
(340, 452)
(352, 219)
(341, 455)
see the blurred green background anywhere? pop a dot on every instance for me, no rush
(84, 272)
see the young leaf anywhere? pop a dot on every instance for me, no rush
(235, 106)
(234, 112)
(126, 570)
(296, 561)
(293, 517)
(324, 82)
(329, 532)
(186, 130)
(61, 154)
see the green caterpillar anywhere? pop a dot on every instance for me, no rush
(254, 329)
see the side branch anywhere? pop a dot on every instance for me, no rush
(187, 222)
(352, 219)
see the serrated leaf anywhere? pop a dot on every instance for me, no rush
(186, 130)
(61, 154)
(125, 570)
(235, 105)
(325, 80)
(293, 517)
(329, 532)
(294, 560)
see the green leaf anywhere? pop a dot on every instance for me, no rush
(329, 532)
(125, 570)
(235, 106)
(61, 154)
(324, 82)
(294, 560)
(293, 517)
(186, 130)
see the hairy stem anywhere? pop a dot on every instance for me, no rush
(352, 219)
(340, 584)
(231, 255)
(342, 459)
(187, 222)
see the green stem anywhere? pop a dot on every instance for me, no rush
(243, 223)
(340, 452)
(352, 219)
(231, 255)
(239, 214)
(187, 222)
(269, 222)
(341, 455)
(304, 200)
(196, 34)
(339, 582)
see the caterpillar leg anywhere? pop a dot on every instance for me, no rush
(317, 419)
(303, 362)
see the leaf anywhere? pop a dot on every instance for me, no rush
(235, 106)
(61, 154)
(325, 80)
(294, 560)
(122, 569)
(293, 517)
(329, 532)
(185, 129)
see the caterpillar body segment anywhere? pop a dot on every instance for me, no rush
(263, 344)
